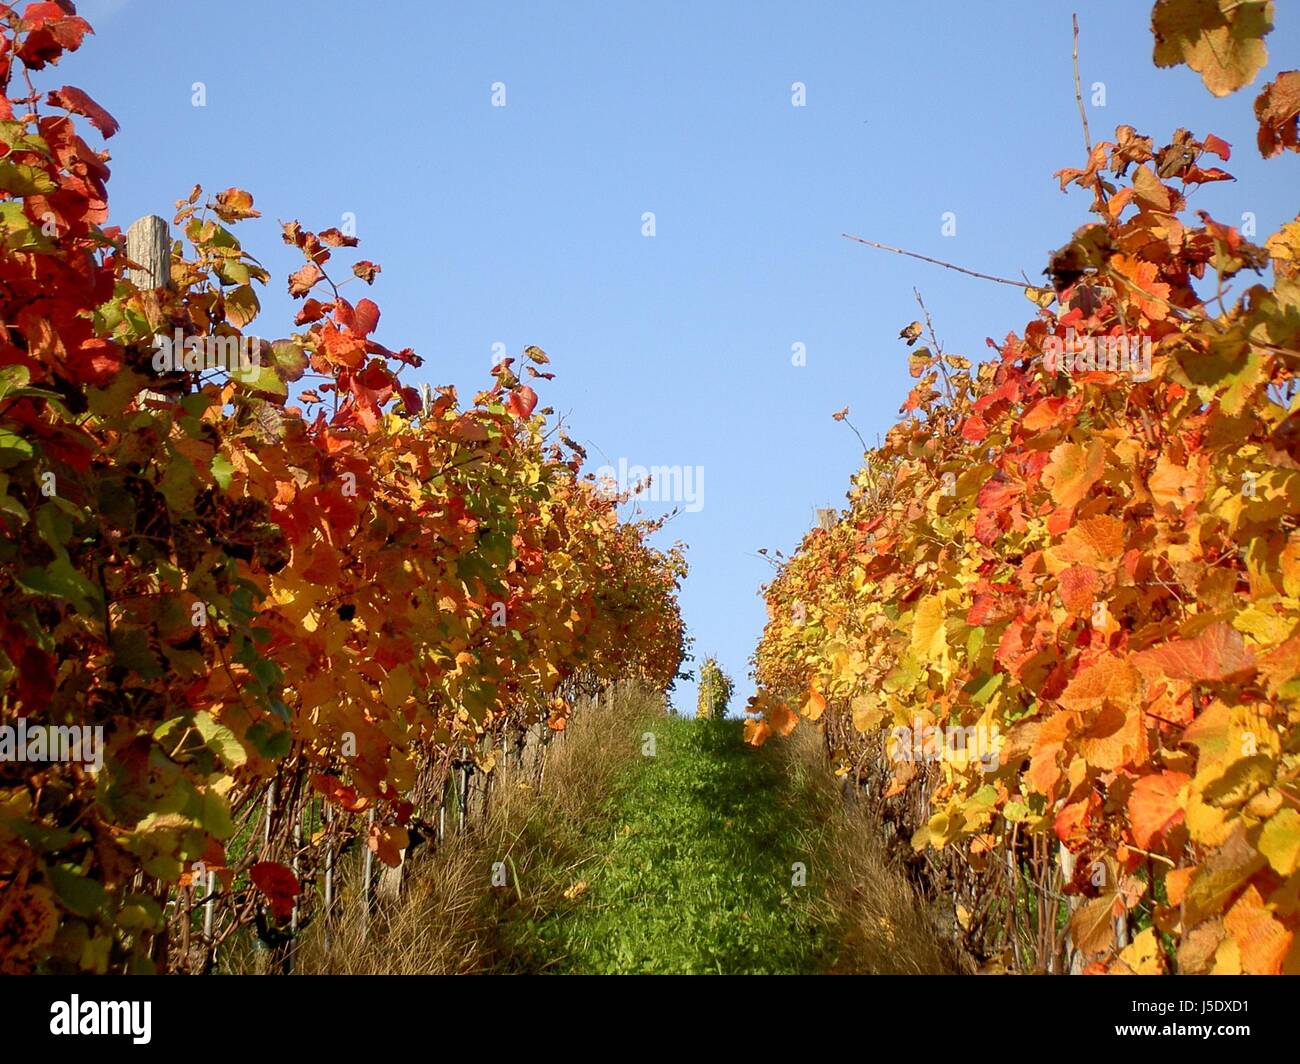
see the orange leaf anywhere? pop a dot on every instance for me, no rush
(387, 841)
(1097, 541)
(1219, 653)
(1262, 940)
(815, 706)
(1154, 805)
(1073, 471)
(1108, 677)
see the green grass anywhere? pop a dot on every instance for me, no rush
(692, 868)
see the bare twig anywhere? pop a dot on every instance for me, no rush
(1078, 91)
(936, 262)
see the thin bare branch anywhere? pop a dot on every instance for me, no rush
(936, 262)
(1078, 92)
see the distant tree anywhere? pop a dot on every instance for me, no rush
(715, 691)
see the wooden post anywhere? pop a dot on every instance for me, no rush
(149, 243)
(367, 866)
(270, 811)
(328, 818)
(208, 914)
(265, 958)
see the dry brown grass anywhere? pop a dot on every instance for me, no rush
(883, 926)
(447, 919)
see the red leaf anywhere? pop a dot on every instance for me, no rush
(367, 317)
(1219, 147)
(74, 100)
(521, 402)
(278, 884)
(974, 429)
(338, 792)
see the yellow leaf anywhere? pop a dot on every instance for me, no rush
(867, 713)
(1280, 842)
(1142, 956)
(929, 640)
(1222, 40)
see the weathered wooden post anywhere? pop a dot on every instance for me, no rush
(367, 871)
(149, 243)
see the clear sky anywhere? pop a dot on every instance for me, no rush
(523, 224)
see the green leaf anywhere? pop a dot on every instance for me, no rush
(13, 449)
(221, 740)
(60, 580)
(79, 895)
(131, 651)
(24, 180)
(272, 744)
(12, 378)
(261, 378)
(222, 470)
(215, 815)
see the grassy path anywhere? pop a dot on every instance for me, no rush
(700, 843)
(708, 857)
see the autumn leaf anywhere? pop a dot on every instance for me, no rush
(1278, 112)
(1263, 942)
(1154, 805)
(1280, 841)
(233, 205)
(1108, 678)
(867, 713)
(1073, 470)
(74, 100)
(1097, 542)
(815, 705)
(1142, 956)
(335, 238)
(278, 884)
(1217, 654)
(1222, 40)
(1150, 296)
(521, 402)
(339, 793)
(302, 280)
(387, 842)
(1092, 927)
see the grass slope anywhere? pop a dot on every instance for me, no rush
(700, 846)
(680, 862)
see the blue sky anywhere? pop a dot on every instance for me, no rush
(522, 224)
